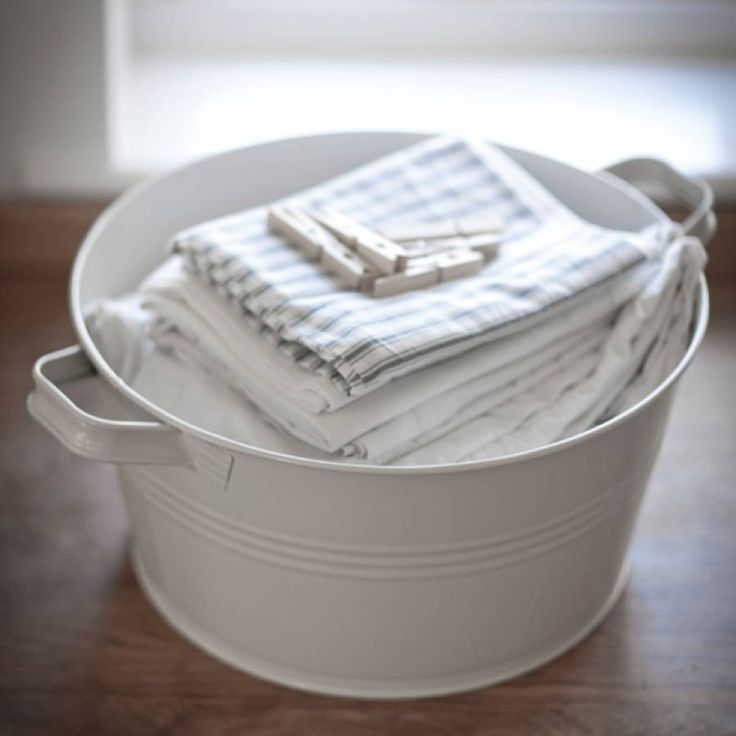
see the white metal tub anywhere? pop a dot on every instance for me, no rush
(358, 580)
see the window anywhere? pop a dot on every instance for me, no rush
(587, 81)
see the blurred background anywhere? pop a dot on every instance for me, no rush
(97, 93)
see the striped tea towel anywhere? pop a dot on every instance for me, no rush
(548, 258)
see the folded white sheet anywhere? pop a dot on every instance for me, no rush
(208, 331)
(647, 341)
(536, 393)
(187, 389)
(120, 328)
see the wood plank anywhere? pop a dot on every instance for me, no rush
(721, 270)
(39, 239)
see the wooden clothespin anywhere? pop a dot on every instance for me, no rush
(433, 230)
(299, 230)
(379, 251)
(430, 270)
(317, 243)
(458, 263)
(413, 277)
(368, 261)
(352, 269)
(487, 245)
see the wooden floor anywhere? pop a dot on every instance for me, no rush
(82, 652)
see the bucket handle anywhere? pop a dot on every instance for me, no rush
(91, 436)
(695, 192)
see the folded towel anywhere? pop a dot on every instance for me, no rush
(549, 258)
(646, 342)
(569, 325)
(206, 330)
(120, 328)
(550, 393)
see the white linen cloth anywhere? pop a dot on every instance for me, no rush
(648, 339)
(206, 330)
(548, 260)
(120, 328)
(537, 391)
(570, 325)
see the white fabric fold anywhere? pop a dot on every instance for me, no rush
(656, 322)
(207, 331)
(588, 322)
(537, 387)
(120, 328)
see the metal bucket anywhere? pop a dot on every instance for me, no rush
(368, 581)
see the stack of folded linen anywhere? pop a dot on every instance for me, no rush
(569, 324)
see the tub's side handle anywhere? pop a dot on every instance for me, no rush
(90, 436)
(694, 192)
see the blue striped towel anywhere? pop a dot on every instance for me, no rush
(549, 256)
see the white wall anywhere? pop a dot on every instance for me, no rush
(53, 120)
(181, 86)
